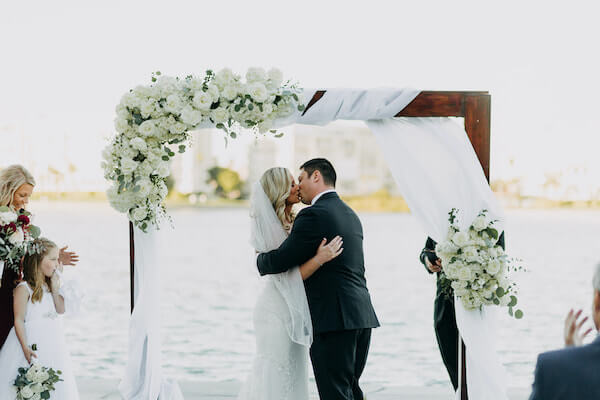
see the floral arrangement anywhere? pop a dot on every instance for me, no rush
(16, 236)
(476, 267)
(36, 382)
(152, 120)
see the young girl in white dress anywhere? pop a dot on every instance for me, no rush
(38, 302)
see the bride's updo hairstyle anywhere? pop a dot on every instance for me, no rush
(277, 184)
(32, 271)
(11, 179)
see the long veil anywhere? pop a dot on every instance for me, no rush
(267, 234)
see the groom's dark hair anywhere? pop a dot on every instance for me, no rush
(324, 167)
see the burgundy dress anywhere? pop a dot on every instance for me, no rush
(10, 278)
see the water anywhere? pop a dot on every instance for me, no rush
(210, 285)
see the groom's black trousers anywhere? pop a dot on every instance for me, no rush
(338, 360)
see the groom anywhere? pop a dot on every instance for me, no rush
(339, 301)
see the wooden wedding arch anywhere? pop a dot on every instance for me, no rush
(473, 106)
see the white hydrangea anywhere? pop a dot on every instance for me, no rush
(6, 217)
(138, 144)
(460, 238)
(128, 165)
(480, 223)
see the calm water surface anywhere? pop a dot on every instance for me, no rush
(210, 284)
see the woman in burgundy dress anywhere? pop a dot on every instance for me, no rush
(16, 187)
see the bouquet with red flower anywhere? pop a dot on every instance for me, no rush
(16, 236)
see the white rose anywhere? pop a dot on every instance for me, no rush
(177, 128)
(464, 274)
(220, 115)
(147, 128)
(145, 187)
(487, 293)
(174, 104)
(138, 143)
(213, 90)
(196, 84)
(224, 77)
(190, 116)
(148, 107)
(258, 91)
(202, 100)
(461, 292)
(121, 124)
(256, 75)
(275, 76)
(128, 165)
(129, 100)
(493, 267)
(230, 92)
(139, 213)
(41, 377)
(460, 238)
(31, 373)
(480, 223)
(26, 391)
(17, 237)
(166, 85)
(163, 170)
(7, 217)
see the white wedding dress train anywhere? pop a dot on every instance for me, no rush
(280, 368)
(44, 328)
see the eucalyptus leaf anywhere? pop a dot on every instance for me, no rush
(513, 301)
(518, 314)
(500, 292)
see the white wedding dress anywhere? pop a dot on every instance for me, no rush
(43, 327)
(282, 322)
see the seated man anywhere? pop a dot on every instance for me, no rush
(573, 372)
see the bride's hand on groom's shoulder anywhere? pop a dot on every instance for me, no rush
(328, 251)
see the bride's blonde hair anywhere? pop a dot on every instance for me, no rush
(277, 184)
(32, 272)
(11, 179)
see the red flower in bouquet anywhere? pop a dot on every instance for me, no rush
(23, 219)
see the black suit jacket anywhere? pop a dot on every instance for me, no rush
(337, 292)
(568, 374)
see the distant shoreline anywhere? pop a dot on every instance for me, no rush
(377, 202)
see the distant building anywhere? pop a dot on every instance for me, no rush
(190, 168)
(352, 149)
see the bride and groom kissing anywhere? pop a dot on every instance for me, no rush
(315, 300)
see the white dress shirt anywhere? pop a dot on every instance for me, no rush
(317, 197)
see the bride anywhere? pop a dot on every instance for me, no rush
(282, 321)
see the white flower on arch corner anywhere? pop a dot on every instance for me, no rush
(153, 118)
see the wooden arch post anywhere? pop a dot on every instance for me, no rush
(474, 107)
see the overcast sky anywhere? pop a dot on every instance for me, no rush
(65, 64)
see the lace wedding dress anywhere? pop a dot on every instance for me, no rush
(282, 322)
(43, 327)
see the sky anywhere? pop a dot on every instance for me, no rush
(65, 64)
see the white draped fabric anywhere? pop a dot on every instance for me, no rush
(436, 169)
(143, 378)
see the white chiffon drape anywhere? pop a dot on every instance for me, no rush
(436, 169)
(143, 378)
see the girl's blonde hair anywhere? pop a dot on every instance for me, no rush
(32, 272)
(277, 184)
(11, 179)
